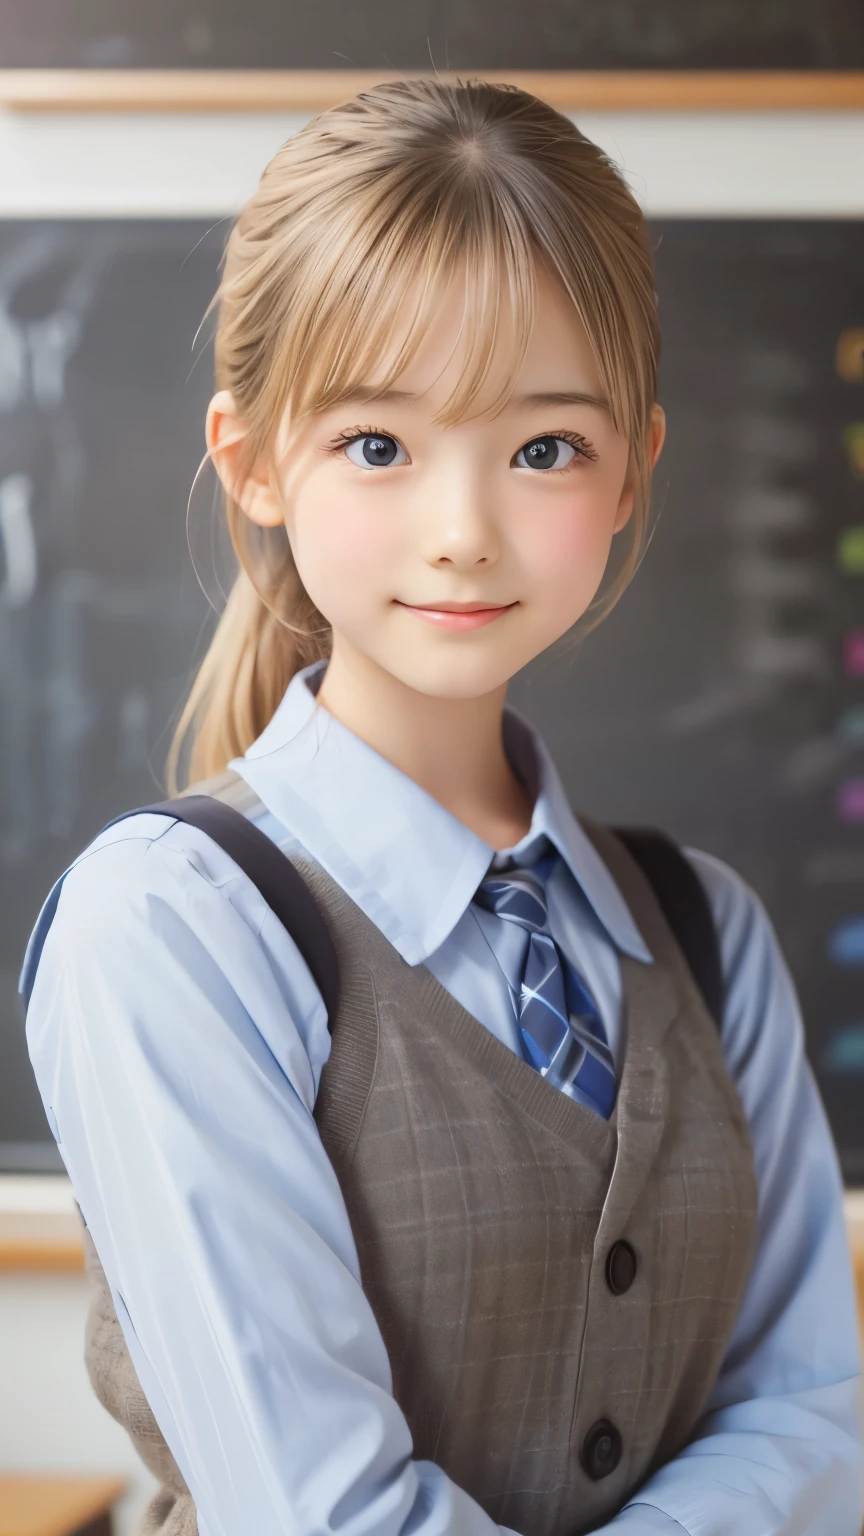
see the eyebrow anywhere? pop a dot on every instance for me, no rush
(366, 395)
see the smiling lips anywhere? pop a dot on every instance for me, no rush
(458, 615)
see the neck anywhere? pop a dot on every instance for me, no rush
(452, 748)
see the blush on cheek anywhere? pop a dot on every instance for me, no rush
(572, 551)
(343, 556)
(362, 540)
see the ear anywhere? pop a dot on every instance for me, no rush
(225, 431)
(656, 438)
(657, 432)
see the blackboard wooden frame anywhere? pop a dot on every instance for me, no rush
(302, 90)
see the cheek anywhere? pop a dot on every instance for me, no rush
(566, 554)
(344, 552)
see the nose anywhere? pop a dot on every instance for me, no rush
(459, 527)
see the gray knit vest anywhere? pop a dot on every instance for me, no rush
(485, 1205)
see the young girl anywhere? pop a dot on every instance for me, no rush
(518, 1237)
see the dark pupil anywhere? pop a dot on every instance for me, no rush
(379, 450)
(542, 453)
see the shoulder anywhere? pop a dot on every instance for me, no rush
(142, 864)
(739, 913)
(762, 1017)
(152, 911)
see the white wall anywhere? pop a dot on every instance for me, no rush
(202, 166)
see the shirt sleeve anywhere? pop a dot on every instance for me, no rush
(177, 1040)
(778, 1452)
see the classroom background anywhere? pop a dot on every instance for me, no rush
(723, 700)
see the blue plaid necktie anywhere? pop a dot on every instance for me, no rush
(561, 1028)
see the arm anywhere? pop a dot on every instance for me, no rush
(778, 1452)
(177, 1040)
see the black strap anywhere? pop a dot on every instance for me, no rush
(685, 906)
(282, 886)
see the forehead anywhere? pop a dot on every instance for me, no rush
(541, 357)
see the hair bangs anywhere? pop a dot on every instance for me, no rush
(372, 332)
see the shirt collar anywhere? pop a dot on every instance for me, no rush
(409, 864)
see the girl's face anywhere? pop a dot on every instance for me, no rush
(396, 524)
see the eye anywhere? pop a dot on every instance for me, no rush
(546, 453)
(376, 451)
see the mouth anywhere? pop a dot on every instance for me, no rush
(458, 616)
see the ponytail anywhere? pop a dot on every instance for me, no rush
(250, 661)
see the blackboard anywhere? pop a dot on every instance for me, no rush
(412, 34)
(723, 699)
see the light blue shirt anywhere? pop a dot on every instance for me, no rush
(178, 1039)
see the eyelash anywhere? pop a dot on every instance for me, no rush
(575, 439)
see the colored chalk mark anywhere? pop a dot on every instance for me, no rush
(853, 443)
(851, 724)
(846, 944)
(845, 1051)
(853, 653)
(849, 356)
(850, 550)
(850, 800)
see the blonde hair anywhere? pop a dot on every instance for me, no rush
(379, 198)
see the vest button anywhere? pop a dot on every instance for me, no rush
(601, 1450)
(620, 1268)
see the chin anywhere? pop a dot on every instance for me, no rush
(453, 677)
